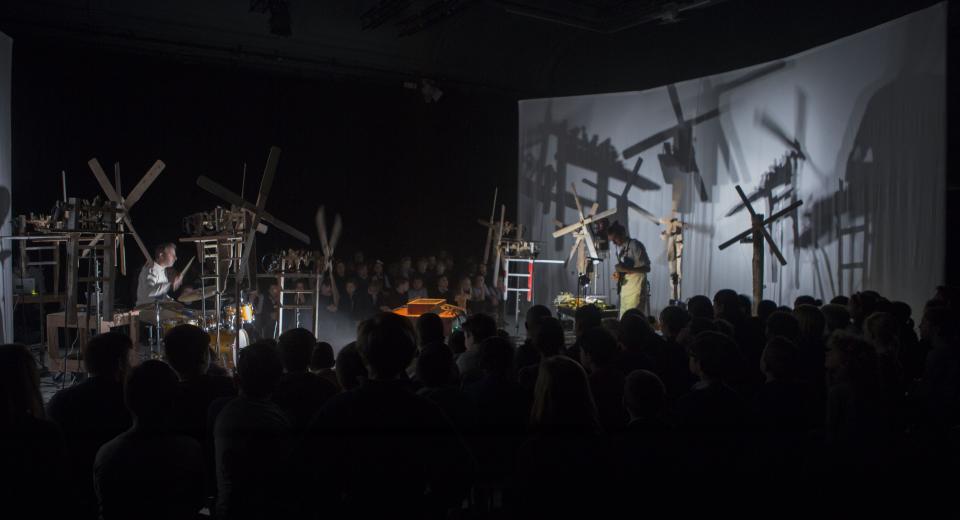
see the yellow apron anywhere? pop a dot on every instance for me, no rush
(635, 294)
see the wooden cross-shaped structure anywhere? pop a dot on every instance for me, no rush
(126, 203)
(758, 228)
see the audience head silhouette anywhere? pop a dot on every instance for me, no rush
(712, 355)
(430, 329)
(19, 385)
(296, 348)
(644, 395)
(598, 348)
(322, 356)
(186, 348)
(550, 339)
(435, 365)
(259, 370)
(108, 355)
(387, 344)
(149, 394)
(562, 400)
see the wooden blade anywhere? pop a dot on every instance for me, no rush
(269, 173)
(218, 190)
(763, 227)
(588, 238)
(103, 181)
(493, 213)
(321, 220)
(333, 285)
(603, 214)
(573, 250)
(576, 198)
(566, 230)
(646, 214)
(136, 238)
(335, 233)
(144, 183)
(593, 208)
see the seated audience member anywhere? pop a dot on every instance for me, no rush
(501, 408)
(442, 290)
(397, 296)
(861, 306)
(837, 318)
(713, 416)
(476, 329)
(649, 446)
(374, 296)
(939, 388)
(912, 356)
(782, 324)
(806, 300)
(300, 394)
(185, 349)
(675, 372)
(883, 332)
(407, 459)
(765, 309)
(417, 289)
(91, 413)
(781, 403)
(429, 329)
(747, 335)
(32, 449)
(351, 372)
(150, 471)
(252, 439)
(322, 363)
(527, 354)
(712, 405)
(585, 318)
(700, 306)
(548, 342)
(598, 355)
(355, 305)
(856, 424)
(840, 300)
(640, 347)
(437, 374)
(562, 467)
(457, 343)
(645, 400)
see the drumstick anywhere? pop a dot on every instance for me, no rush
(185, 269)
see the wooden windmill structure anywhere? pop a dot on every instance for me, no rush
(257, 213)
(114, 194)
(583, 247)
(756, 234)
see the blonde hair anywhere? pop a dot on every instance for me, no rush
(562, 398)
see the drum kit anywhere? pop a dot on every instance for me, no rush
(172, 313)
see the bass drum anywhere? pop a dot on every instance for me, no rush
(224, 350)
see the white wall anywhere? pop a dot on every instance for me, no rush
(869, 110)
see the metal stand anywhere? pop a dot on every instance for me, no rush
(521, 288)
(209, 251)
(282, 277)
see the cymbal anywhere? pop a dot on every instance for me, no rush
(196, 296)
(169, 310)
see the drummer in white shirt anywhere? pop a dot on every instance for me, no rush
(153, 282)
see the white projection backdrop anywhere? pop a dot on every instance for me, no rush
(867, 112)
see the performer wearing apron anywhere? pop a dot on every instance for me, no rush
(633, 264)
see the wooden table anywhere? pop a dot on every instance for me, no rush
(446, 317)
(55, 320)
